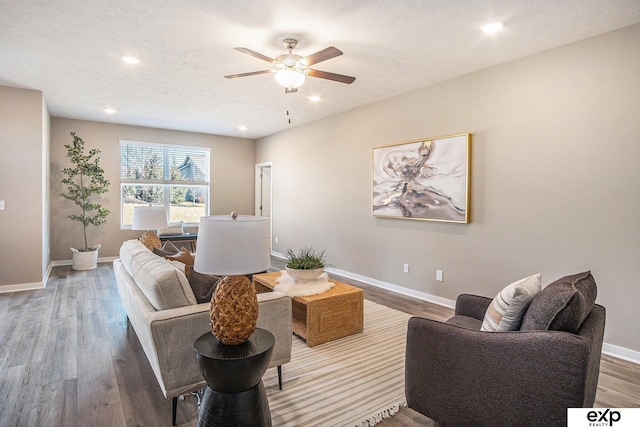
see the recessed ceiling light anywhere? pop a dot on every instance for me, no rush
(129, 59)
(314, 98)
(492, 26)
(109, 110)
(242, 128)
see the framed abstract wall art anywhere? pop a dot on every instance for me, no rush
(426, 179)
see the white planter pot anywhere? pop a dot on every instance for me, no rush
(303, 275)
(85, 260)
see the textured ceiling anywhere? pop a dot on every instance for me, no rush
(70, 50)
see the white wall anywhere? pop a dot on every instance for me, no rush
(23, 133)
(555, 179)
(232, 176)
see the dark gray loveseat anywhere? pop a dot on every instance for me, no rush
(459, 375)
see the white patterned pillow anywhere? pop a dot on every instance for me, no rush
(507, 309)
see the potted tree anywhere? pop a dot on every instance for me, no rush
(84, 180)
(306, 264)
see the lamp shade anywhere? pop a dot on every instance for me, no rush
(289, 78)
(149, 217)
(228, 246)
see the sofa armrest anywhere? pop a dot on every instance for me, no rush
(174, 332)
(274, 315)
(456, 375)
(472, 306)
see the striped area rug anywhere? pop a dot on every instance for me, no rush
(354, 381)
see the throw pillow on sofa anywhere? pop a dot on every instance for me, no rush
(167, 249)
(508, 307)
(185, 257)
(202, 285)
(563, 305)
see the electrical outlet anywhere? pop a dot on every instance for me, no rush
(1, 205)
(406, 268)
(439, 275)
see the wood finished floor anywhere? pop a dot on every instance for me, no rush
(69, 358)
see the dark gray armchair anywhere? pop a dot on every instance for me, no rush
(459, 375)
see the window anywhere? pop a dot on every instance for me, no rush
(170, 175)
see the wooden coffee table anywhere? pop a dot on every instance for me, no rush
(334, 314)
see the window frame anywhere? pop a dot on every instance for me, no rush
(165, 182)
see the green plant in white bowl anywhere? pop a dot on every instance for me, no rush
(306, 264)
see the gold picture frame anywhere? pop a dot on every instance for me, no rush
(426, 179)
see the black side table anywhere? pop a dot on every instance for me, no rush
(235, 395)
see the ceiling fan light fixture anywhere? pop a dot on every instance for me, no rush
(289, 78)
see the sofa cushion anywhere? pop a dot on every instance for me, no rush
(563, 305)
(465, 322)
(162, 284)
(508, 307)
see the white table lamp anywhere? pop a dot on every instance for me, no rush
(149, 218)
(233, 246)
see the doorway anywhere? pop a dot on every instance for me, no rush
(263, 194)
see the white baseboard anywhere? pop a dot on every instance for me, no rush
(70, 261)
(621, 353)
(27, 286)
(394, 288)
(609, 349)
(21, 287)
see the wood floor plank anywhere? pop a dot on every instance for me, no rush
(621, 369)
(60, 361)
(157, 411)
(626, 392)
(133, 371)
(21, 384)
(10, 383)
(56, 404)
(65, 302)
(98, 394)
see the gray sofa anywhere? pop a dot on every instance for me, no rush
(164, 313)
(459, 375)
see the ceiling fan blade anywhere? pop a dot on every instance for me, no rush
(255, 54)
(323, 55)
(253, 73)
(331, 76)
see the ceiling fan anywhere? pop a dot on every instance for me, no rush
(291, 70)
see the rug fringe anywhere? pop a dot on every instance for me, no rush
(385, 413)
